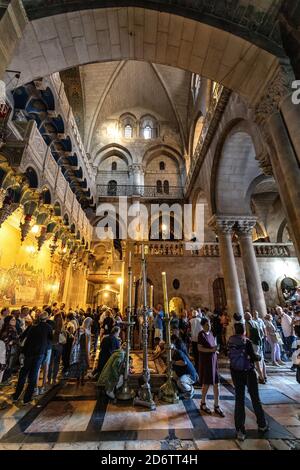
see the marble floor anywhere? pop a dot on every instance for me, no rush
(78, 417)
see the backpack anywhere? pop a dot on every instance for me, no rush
(238, 356)
(254, 333)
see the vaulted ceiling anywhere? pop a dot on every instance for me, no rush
(102, 91)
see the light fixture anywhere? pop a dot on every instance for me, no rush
(30, 249)
(35, 229)
(106, 294)
(120, 280)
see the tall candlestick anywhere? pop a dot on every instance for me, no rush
(126, 393)
(145, 395)
(129, 261)
(168, 391)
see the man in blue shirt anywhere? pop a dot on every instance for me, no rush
(185, 373)
(158, 322)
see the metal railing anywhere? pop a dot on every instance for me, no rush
(174, 192)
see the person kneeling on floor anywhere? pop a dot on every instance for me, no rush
(185, 373)
(112, 375)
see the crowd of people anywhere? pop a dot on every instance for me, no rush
(40, 346)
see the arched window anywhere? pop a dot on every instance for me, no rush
(148, 127)
(162, 166)
(112, 188)
(114, 166)
(127, 125)
(166, 187)
(128, 131)
(147, 132)
(159, 186)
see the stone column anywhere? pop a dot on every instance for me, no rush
(224, 228)
(253, 281)
(279, 121)
(137, 171)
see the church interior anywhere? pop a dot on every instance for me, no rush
(107, 112)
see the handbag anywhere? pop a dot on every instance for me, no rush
(62, 339)
(279, 339)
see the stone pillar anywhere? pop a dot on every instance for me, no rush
(256, 296)
(137, 171)
(224, 229)
(279, 121)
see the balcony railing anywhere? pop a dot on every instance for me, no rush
(181, 248)
(174, 192)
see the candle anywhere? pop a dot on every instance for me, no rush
(143, 252)
(151, 297)
(129, 262)
(165, 292)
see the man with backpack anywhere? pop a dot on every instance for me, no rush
(253, 332)
(242, 366)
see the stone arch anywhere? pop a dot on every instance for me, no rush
(245, 56)
(32, 177)
(234, 169)
(112, 150)
(57, 209)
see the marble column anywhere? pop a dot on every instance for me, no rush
(255, 293)
(137, 171)
(279, 121)
(223, 226)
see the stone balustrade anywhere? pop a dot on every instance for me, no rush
(210, 250)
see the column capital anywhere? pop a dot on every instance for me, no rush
(245, 225)
(222, 223)
(136, 168)
(278, 88)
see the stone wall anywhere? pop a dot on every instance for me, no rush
(197, 274)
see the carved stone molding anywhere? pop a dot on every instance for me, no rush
(245, 225)
(278, 88)
(222, 224)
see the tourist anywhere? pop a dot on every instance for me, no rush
(274, 340)
(59, 339)
(263, 338)
(216, 326)
(174, 321)
(184, 327)
(224, 321)
(108, 323)
(296, 361)
(47, 358)
(96, 328)
(158, 322)
(242, 366)
(195, 328)
(87, 326)
(108, 346)
(9, 336)
(112, 375)
(287, 329)
(185, 373)
(4, 313)
(180, 345)
(254, 334)
(34, 350)
(79, 358)
(70, 331)
(208, 367)
(2, 359)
